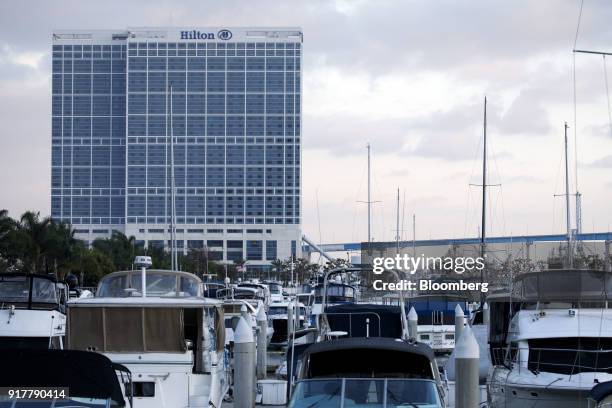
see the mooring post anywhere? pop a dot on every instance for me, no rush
(413, 324)
(459, 322)
(244, 366)
(486, 314)
(262, 343)
(467, 357)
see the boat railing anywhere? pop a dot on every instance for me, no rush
(225, 293)
(568, 361)
(350, 319)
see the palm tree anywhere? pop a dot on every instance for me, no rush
(119, 247)
(32, 236)
(278, 267)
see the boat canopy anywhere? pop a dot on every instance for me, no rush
(159, 283)
(141, 325)
(563, 285)
(367, 357)
(88, 375)
(32, 291)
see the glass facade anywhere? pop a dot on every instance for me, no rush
(88, 134)
(221, 112)
(233, 112)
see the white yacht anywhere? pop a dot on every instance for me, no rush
(276, 291)
(32, 311)
(262, 292)
(171, 338)
(558, 344)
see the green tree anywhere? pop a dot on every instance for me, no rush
(120, 248)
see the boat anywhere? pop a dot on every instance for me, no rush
(383, 372)
(262, 292)
(362, 356)
(170, 337)
(278, 318)
(558, 344)
(32, 311)
(437, 319)
(62, 378)
(276, 291)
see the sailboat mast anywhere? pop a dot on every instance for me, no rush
(567, 205)
(173, 260)
(369, 198)
(483, 228)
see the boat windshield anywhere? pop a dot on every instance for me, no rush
(335, 293)
(275, 288)
(158, 284)
(365, 392)
(17, 289)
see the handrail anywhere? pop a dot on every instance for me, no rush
(527, 357)
(350, 314)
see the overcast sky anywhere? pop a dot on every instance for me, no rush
(407, 76)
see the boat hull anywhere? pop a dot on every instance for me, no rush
(510, 389)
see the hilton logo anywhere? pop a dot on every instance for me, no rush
(199, 35)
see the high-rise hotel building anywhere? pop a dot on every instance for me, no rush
(217, 108)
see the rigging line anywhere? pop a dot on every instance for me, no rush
(469, 188)
(353, 234)
(607, 93)
(575, 103)
(501, 192)
(319, 222)
(555, 190)
(403, 217)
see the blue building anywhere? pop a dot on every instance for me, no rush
(230, 99)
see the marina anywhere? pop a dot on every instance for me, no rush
(328, 204)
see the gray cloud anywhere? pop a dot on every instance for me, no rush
(602, 163)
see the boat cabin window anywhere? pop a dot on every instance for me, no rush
(27, 289)
(282, 310)
(141, 389)
(335, 293)
(570, 355)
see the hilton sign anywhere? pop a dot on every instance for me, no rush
(199, 35)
